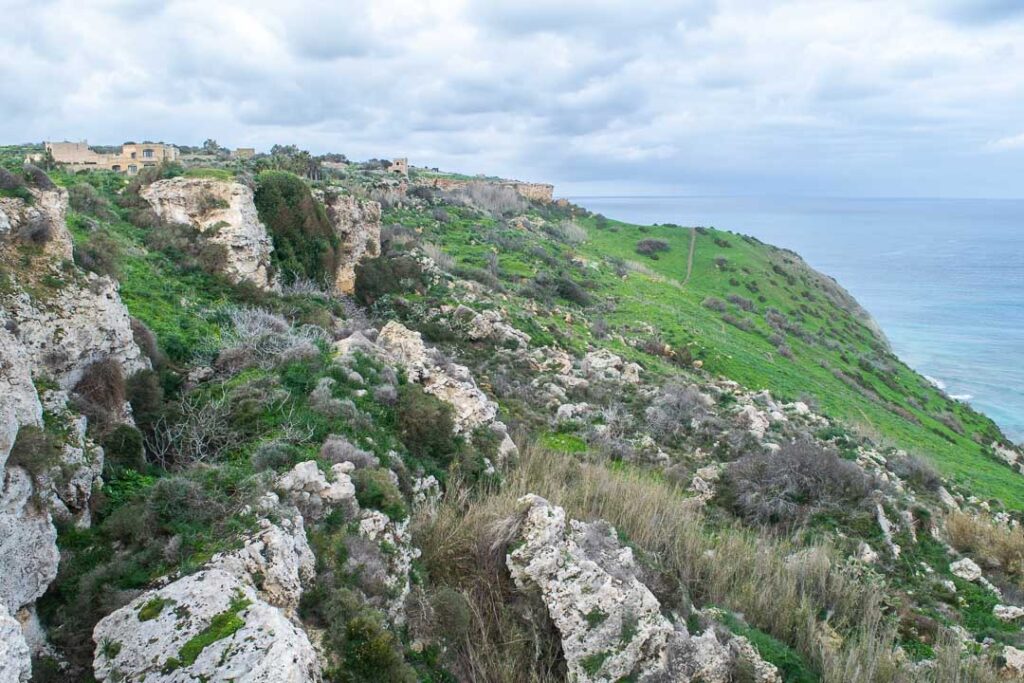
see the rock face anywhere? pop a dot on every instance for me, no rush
(967, 569)
(15, 659)
(224, 212)
(610, 622)
(451, 383)
(209, 626)
(55, 321)
(603, 364)
(357, 223)
(228, 622)
(309, 490)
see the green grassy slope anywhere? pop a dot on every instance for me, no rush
(837, 356)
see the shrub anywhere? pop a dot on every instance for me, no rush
(100, 254)
(951, 421)
(495, 199)
(566, 231)
(146, 397)
(800, 479)
(85, 198)
(37, 177)
(426, 425)
(102, 388)
(34, 449)
(438, 256)
(914, 469)
(376, 490)
(742, 302)
(260, 338)
(123, 449)
(37, 230)
(993, 544)
(145, 338)
(714, 303)
(274, 455)
(386, 275)
(651, 247)
(337, 449)
(305, 243)
(675, 409)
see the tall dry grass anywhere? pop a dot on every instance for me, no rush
(992, 544)
(779, 586)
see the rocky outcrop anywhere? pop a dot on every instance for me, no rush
(210, 626)
(15, 658)
(223, 212)
(357, 224)
(605, 365)
(46, 212)
(306, 487)
(28, 543)
(229, 622)
(610, 623)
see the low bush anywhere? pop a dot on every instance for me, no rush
(376, 490)
(37, 178)
(37, 230)
(798, 480)
(714, 303)
(85, 198)
(994, 545)
(387, 275)
(35, 449)
(123, 449)
(917, 471)
(337, 449)
(426, 426)
(651, 247)
(102, 386)
(99, 253)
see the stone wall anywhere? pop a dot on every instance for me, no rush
(540, 192)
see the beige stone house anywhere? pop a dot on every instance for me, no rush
(134, 157)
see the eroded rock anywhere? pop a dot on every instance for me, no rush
(224, 213)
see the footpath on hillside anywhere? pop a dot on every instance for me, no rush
(689, 259)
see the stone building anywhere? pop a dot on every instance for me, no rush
(399, 166)
(77, 156)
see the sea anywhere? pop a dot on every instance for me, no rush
(943, 277)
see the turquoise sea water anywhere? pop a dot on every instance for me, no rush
(943, 277)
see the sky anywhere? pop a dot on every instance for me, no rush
(727, 97)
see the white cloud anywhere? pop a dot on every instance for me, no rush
(843, 96)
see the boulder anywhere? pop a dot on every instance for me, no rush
(967, 569)
(611, 624)
(224, 213)
(308, 489)
(209, 626)
(357, 224)
(1007, 612)
(277, 561)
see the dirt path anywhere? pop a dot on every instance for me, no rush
(689, 259)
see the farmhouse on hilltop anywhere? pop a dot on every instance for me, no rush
(79, 156)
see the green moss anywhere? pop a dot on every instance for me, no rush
(592, 663)
(153, 608)
(221, 626)
(595, 617)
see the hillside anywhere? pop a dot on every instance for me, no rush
(358, 428)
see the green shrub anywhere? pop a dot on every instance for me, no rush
(386, 275)
(146, 397)
(305, 244)
(100, 253)
(376, 490)
(35, 449)
(426, 425)
(123, 449)
(102, 388)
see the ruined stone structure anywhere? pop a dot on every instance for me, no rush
(77, 156)
(540, 192)
(399, 166)
(244, 153)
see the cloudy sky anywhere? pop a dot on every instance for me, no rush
(795, 97)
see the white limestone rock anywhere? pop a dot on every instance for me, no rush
(15, 657)
(28, 543)
(1007, 612)
(605, 365)
(224, 212)
(306, 486)
(395, 536)
(357, 224)
(19, 402)
(264, 647)
(450, 382)
(278, 556)
(967, 569)
(610, 623)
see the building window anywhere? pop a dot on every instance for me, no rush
(133, 155)
(132, 168)
(115, 167)
(147, 153)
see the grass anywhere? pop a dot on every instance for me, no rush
(221, 626)
(791, 607)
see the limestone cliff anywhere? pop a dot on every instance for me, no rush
(224, 213)
(357, 223)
